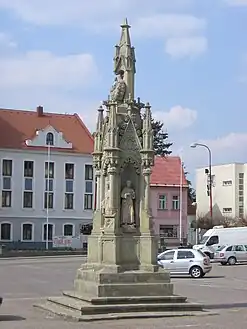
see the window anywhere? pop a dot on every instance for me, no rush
(162, 202)
(229, 248)
(7, 168)
(241, 175)
(27, 199)
(49, 185)
(68, 230)
(88, 201)
(27, 232)
(213, 240)
(69, 201)
(239, 248)
(49, 139)
(6, 183)
(51, 170)
(88, 172)
(227, 210)
(169, 255)
(69, 186)
(185, 255)
(175, 202)
(241, 181)
(227, 182)
(88, 195)
(48, 200)
(168, 231)
(50, 232)
(6, 231)
(69, 171)
(6, 199)
(28, 184)
(28, 168)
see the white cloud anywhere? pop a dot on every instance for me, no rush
(177, 118)
(166, 25)
(43, 68)
(162, 19)
(82, 12)
(183, 34)
(6, 41)
(186, 47)
(236, 2)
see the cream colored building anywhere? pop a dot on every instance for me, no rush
(228, 190)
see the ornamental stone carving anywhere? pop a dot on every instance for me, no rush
(118, 89)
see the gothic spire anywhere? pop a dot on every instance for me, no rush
(125, 59)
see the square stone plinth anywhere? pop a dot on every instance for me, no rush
(100, 295)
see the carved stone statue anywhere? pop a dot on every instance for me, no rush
(127, 205)
(118, 89)
(105, 202)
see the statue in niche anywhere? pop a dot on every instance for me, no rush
(118, 89)
(127, 205)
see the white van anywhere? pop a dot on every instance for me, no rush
(219, 236)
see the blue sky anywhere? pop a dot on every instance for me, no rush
(191, 64)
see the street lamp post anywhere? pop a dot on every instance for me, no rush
(194, 145)
(47, 195)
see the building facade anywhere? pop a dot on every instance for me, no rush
(46, 177)
(165, 199)
(228, 191)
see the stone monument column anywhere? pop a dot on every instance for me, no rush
(121, 278)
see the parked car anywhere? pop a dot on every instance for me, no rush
(231, 254)
(185, 261)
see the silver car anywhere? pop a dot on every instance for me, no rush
(231, 254)
(185, 261)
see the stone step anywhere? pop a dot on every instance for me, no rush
(71, 315)
(88, 308)
(126, 300)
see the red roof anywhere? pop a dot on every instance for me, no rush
(167, 171)
(17, 126)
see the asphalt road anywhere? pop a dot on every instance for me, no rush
(23, 282)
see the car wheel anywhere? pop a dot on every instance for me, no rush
(232, 261)
(196, 272)
(223, 263)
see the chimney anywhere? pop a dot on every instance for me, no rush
(40, 111)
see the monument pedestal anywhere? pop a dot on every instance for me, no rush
(109, 291)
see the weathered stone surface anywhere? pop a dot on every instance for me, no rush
(122, 250)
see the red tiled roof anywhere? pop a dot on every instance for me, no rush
(166, 171)
(17, 126)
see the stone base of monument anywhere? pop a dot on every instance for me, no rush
(134, 294)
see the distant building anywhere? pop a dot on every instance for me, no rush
(30, 140)
(165, 199)
(228, 190)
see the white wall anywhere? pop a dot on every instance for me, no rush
(223, 196)
(39, 158)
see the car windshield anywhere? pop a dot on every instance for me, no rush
(204, 239)
(220, 248)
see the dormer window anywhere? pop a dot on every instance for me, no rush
(50, 139)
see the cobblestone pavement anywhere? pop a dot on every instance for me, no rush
(24, 281)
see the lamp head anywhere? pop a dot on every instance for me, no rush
(193, 145)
